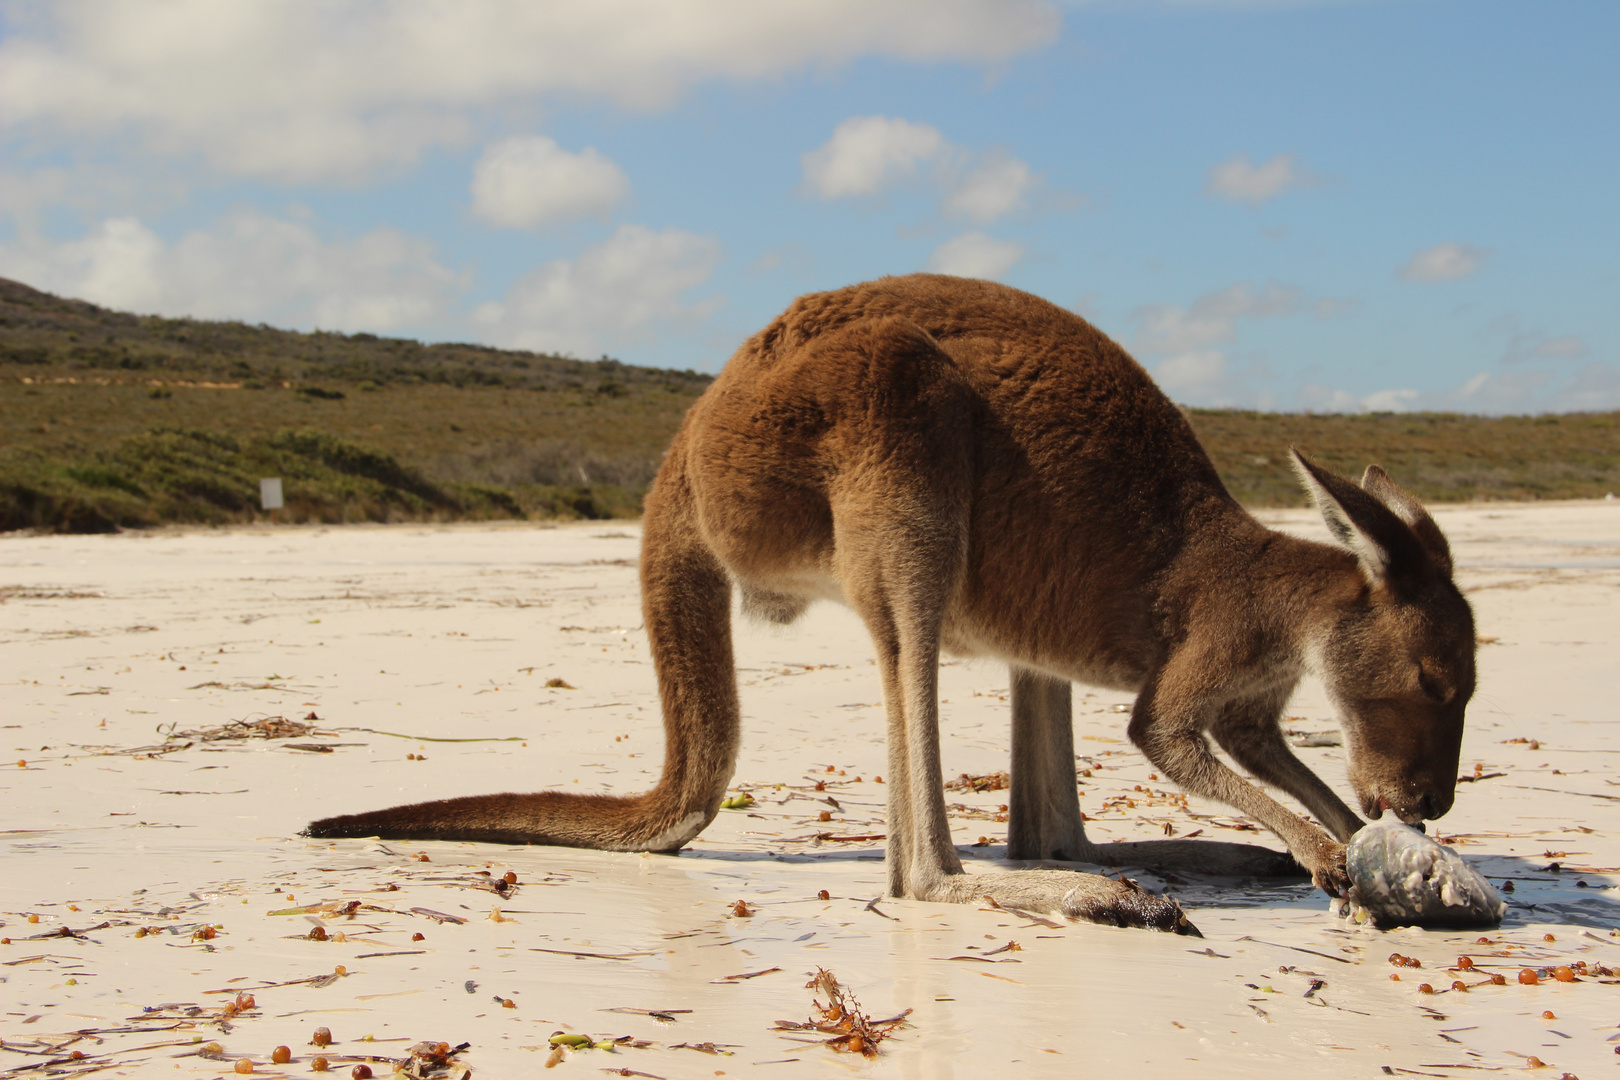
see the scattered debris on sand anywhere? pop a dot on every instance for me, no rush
(852, 1031)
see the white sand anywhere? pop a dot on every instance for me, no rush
(109, 643)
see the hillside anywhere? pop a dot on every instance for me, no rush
(1442, 457)
(53, 336)
(111, 419)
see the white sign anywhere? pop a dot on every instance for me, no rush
(270, 493)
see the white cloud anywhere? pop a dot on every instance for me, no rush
(28, 194)
(1238, 180)
(997, 186)
(1329, 307)
(304, 92)
(1316, 397)
(1212, 318)
(867, 154)
(1184, 340)
(1537, 376)
(1564, 347)
(1503, 392)
(248, 266)
(528, 180)
(1189, 347)
(793, 257)
(623, 290)
(1390, 400)
(1594, 388)
(1246, 5)
(1200, 375)
(975, 255)
(1443, 262)
(1531, 345)
(119, 266)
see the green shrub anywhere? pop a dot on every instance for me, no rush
(180, 475)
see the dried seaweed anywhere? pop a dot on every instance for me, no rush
(745, 975)
(852, 1031)
(593, 955)
(996, 781)
(666, 1015)
(432, 1059)
(433, 738)
(268, 727)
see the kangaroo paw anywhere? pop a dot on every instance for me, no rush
(1333, 880)
(1327, 867)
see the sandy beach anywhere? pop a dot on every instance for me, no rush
(179, 704)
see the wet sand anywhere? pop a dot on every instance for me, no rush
(146, 804)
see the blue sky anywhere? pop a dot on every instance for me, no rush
(1362, 204)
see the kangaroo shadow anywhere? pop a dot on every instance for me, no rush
(1539, 890)
(1536, 890)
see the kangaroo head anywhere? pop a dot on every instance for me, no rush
(1398, 655)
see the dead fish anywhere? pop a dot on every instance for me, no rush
(1400, 877)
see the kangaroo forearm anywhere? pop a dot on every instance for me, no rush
(1188, 762)
(1271, 762)
(1322, 801)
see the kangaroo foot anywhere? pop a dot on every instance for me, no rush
(1128, 904)
(1087, 897)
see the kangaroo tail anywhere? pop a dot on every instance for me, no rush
(686, 600)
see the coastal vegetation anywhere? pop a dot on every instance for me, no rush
(111, 420)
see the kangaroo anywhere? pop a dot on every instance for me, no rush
(973, 469)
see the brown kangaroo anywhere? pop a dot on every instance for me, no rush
(971, 468)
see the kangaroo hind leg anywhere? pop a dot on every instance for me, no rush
(901, 503)
(1043, 813)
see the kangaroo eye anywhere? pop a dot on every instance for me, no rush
(1433, 688)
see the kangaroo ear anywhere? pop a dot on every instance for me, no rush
(1383, 543)
(1376, 482)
